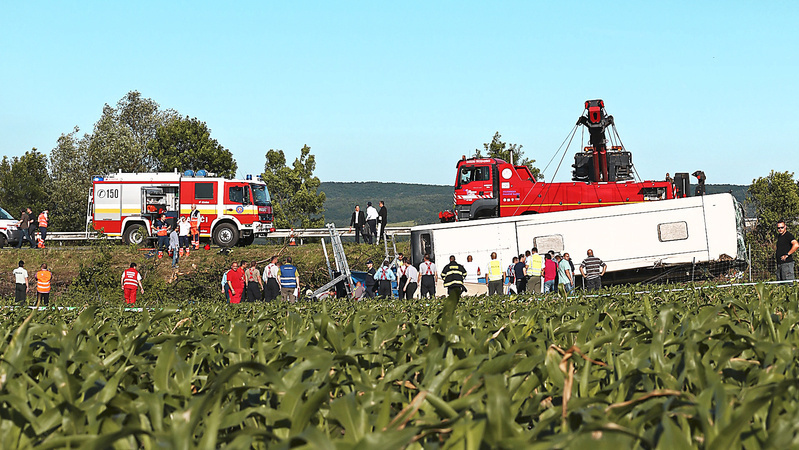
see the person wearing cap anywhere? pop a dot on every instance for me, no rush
(384, 276)
(369, 283)
(371, 219)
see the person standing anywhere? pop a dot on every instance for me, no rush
(31, 228)
(402, 277)
(472, 270)
(23, 225)
(42, 227)
(184, 227)
(494, 275)
(21, 283)
(520, 274)
(535, 267)
(235, 283)
(254, 284)
(453, 275)
(382, 221)
(592, 270)
(384, 277)
(565, 277)
(510, 274)
(271, 273)
(195, 219)
(289, 281)
(786, 247)
(162, 231)
(369, 282)
(131, 282)
(410, 284)
(428, 277)
(225, 287)
(550, 272)
(43, 277)
(174, 246)
(358, 221)
(371, 219)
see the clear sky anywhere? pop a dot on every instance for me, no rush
(398, 91)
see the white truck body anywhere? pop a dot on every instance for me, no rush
(643, 235)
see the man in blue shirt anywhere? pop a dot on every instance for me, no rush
(289, 281)
(384, 277)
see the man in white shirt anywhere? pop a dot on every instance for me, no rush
(272, 279)
(371, 219)
(183, 233)
(21, 281)
(472, 270)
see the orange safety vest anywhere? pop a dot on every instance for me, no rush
(194, 222)
(42, 220)
(43, 281)
(130, 278)
(162, 230)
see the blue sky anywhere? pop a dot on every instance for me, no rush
(399, 91)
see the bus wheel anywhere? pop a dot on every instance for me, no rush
(134, 234)
(226, 235)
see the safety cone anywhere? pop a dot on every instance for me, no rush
(292, 241)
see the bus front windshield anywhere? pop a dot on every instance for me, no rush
(260, 195)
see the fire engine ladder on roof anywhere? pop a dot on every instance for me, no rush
(342, 268)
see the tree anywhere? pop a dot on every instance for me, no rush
(187, 144)
(775, 197)
(71, 180)
(24, 183)
(296, 200)
(511, 153)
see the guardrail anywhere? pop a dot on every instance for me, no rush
(297, 233)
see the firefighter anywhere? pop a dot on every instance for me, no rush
(162, 231)
(42, 228)
(428, 277)
(453, 275)
(195, 218)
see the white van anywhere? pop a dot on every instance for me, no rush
(9, 233)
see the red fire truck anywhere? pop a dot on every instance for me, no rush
(602, 176)
(233, 211)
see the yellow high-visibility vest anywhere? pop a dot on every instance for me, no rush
(536, 265)
(494, 270)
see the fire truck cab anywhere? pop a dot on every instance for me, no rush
(233, 211)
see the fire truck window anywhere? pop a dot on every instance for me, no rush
(236, 194)
(471, 174)
(204, 191)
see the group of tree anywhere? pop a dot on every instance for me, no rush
(775, 197)
(134, 136)
(511, 153)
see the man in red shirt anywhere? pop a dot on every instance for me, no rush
(131, 281)
(235, 282)
(550, 271)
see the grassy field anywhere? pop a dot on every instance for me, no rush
(711, 368)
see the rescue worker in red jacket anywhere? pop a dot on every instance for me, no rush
(195, 218)
(131, 281)
(162, 231)
(42, 228)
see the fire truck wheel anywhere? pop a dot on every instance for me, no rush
(135, 235)
(226, 235)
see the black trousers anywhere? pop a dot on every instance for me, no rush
(369, 292)
(20, 294)
(384, 288)
(43, 232)
(593, 284)
(400, 284)
(253, 291)
(410, 291)
(373, 228)
(272, 289)
(521, 285)
(428, 286)
(43, 298)
(358, 231)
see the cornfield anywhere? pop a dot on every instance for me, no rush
(712, 369)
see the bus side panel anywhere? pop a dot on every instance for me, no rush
(478, 241)
(722, 229)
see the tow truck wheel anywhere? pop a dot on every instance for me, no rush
(134, 234)
(226, 235)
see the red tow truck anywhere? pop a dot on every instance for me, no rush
(602, 176)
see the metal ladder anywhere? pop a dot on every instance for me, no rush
(341, 263)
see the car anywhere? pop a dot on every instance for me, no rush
(9, 233)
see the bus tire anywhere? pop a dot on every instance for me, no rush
(226, 235)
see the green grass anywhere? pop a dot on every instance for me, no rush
(698, 369)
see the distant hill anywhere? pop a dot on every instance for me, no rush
(407, 204)
(418, 204)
